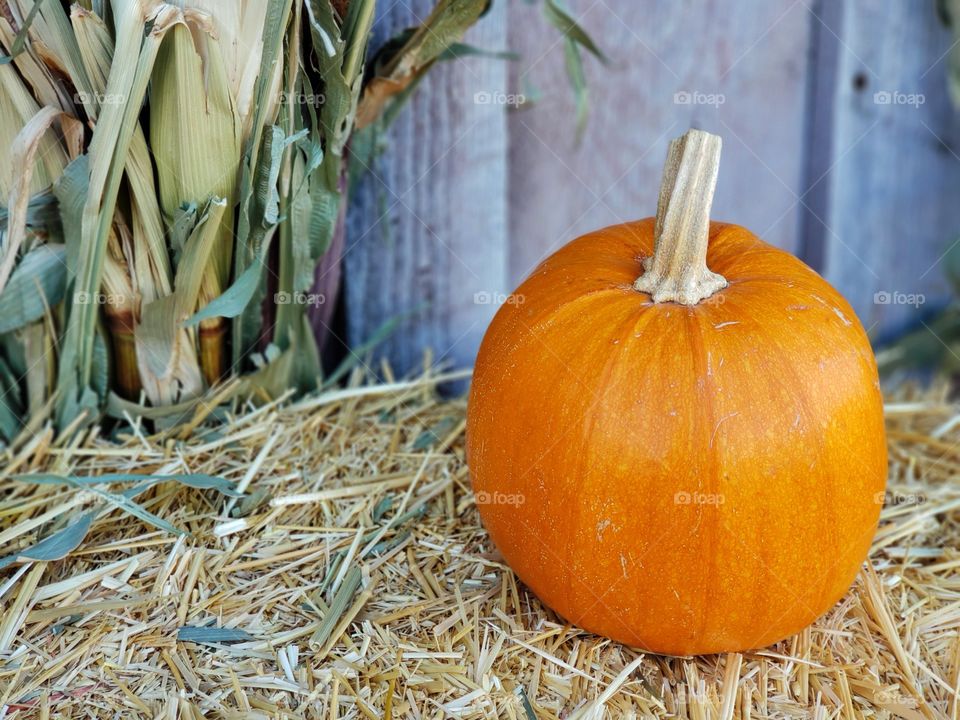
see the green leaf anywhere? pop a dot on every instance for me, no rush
(21, 40)
(37, 283)
(579, 84)
(458, 50)
(199, 481)
(356, 34)
(336, 114)
(70, 190)
(189, 633)
(134, 56)
(356, 354)
(158, 333)
(405, 59)
(575, 37)
(233, 301)
(272, 376)
(122, 501)
(42, 210)
(100, 376)
(570, 29)
(56, 546)
(246, 327)
(338, 605)
(263, 216)
(11, 409)
(434, 435)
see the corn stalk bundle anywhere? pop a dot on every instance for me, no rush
(174, 181)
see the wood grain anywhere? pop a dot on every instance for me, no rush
(470, 197)
(894, 165)
(427, 226)
(752, 54)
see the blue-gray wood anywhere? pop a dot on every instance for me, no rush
(426, 234)
(735, 69)
(840, 145)
(895, 165)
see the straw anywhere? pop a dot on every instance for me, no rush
(355, 581)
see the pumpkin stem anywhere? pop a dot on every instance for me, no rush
(678, 271)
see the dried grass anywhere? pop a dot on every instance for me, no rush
(370, 590)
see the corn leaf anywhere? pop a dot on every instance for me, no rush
(398, 68)
(212, 635)
(56, 546)
(71, 193)
(340, 95)
(458, 50)
(129, 75)
(24, 151)
(17, 107)
(36, 75)
(235, 299)
(22, 34)
(150, 265)
(95, 46)
(123, 502)
(122, 409)
(37, 283)
(52, 29)
(158, 335)
(195, 130)
(578, 82)
(42, 211)
(11, 407)
(277, 14)
(102, 361)
(575, 37)
(356, 354)
(570, 29)
(263, 213)
(199, 481)
(272, 376)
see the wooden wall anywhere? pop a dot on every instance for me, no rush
(471, 195)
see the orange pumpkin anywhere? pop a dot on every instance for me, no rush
(683, 460)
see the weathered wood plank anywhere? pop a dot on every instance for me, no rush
(427, 226)
(895, 165)
(752, 55)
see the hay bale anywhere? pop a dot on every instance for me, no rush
(355, 580)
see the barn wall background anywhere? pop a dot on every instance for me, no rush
(840, 145)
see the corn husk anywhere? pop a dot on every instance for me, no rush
(175, 231)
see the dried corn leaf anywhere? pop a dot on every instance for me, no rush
(445, 25)
(37, 284)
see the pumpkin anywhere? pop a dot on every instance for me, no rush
(675, 430)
